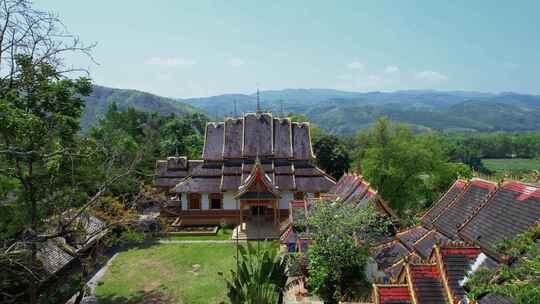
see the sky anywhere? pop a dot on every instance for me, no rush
(201, 48)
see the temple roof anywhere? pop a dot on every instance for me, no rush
(229, 175)
(472, 198)
(392, 294)
(438, 279)
(229, 152)
(258, 184)
(478, 213)
(427, 284)
(257, 134)
(513, 209)
(455, 190)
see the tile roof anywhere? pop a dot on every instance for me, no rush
(283, 145)
(199, 185)
(257, 134)
(358, 193)
(411, 235)
(392, 294)
(455, 190)
(514, 208)
(233, 138)
(426, 283)
(425, 244)
(213, 141)
(456, 263)
(389, 253)
(53, 258)
(230, 174)
(493, 298)
(476, 193)
(302, 141)
(258, 138)
(313, 184)
(438, 280)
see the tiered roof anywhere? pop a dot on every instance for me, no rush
(438, 279)
(353, 189)
(448, 198)
(391, 294)
(477, 212)
(513, 209)
(257, 135)
(229, 152)
(476, 193)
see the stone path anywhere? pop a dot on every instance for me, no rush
(89, 297)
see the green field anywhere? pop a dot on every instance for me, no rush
(165, 273)
(513, 166)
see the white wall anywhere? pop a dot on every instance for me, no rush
(286, 197)
(228, 201)
(205, 204)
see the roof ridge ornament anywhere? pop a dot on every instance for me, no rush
(258, 101)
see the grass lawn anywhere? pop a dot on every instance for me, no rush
(516, 166)
(222, 234)
(164, 273)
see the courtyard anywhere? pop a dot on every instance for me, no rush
(168, 273)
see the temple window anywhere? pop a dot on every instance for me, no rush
(216, 200)
(194, 201)
(299, 196)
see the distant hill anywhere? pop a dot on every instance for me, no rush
(344, 112)
(100, 99)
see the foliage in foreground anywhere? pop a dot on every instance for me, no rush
(521, 279)
(336, 263)
(260, 275)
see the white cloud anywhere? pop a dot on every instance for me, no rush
(356, 65)
(235, 62)
(170, 61)
(431, 76)
(391, 69)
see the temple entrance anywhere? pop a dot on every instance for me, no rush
(258, 211)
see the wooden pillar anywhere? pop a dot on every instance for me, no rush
(241, 217)
(275, 217)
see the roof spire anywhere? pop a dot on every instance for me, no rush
(234, 102)
(258, 101)
(281, 106)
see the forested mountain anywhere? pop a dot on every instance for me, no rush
(98, 103)
(344, 112)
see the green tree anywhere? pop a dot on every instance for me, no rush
(38, 130)
(406, 169)
(521, 280)
(332, 155)
(336, 263)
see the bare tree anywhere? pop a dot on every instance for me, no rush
(37, 34)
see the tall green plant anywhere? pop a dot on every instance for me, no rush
(259, 277)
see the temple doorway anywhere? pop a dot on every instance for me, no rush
(258, 211)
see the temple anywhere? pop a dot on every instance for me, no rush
(251, 168)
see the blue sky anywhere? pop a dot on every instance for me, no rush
(201, 48)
